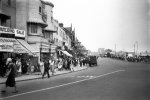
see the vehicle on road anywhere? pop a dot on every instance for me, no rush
(92, 60)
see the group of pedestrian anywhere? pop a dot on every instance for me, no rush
(52, 64)
(46, 65)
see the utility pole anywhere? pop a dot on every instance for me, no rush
(115, 49)
(137, 48)
(134, 48)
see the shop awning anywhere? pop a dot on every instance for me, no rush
(28, 47)
(11, 45)
(66, 53)
(16, 46)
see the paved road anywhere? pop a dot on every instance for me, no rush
(110, 80)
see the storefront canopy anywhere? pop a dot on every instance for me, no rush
(66, 53)
(27, 46)
(16, 46)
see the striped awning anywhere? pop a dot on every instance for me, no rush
(16, 46)
(27, 46)
(66, 53)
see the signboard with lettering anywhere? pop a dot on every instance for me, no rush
(7, 30)
(46, 50)
(6, 46)
(19, 33)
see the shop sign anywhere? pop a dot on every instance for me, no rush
(45, 50)
(19, 33)
(6, 46)
(6, 30)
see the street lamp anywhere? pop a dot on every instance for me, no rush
(136, 48)
(50, 50)
(41, 48)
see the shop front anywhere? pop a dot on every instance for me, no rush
(53, 51)
(6, 43)
(44, 51)
(13, 45)
(24, 50)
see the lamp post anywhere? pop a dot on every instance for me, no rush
(115, 49)
(136, 48)
(40, 49)
(50, 50)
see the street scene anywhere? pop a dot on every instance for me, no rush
(116, 80)
(74, 50)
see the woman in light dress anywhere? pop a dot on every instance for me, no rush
(52, 65)
(41, 66)
(18, 63)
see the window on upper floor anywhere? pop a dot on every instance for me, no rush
(0, 4)
(47, 35)
(9, 2)
(34, 28)
(40, 9)
(3, 22)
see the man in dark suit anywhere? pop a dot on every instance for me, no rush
(46, 68)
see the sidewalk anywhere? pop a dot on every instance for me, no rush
(39, 76)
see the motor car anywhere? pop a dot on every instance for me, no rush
(92, 61)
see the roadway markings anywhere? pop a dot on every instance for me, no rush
(81, 76)
(62, 85)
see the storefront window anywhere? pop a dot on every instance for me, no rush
(33, 28)
(3, 22)
(40, 9)
(9, 2)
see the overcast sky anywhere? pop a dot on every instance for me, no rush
(104, 23)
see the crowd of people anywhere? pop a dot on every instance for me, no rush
(51, 64)
(22, 66)
(16, 67)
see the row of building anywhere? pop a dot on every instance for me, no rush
(103, 52)
(28, 27)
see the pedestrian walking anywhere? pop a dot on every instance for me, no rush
(60, 64)
(19, 65)
(29, 66)
(46, 69)
(52, 65)
(41, 67)
(71, 65)
(11, 72)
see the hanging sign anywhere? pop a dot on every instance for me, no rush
(46, 50)
(19, 33)
(7, 30)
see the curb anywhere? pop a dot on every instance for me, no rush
(40, 77)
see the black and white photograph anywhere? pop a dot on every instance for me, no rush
(74, 49)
